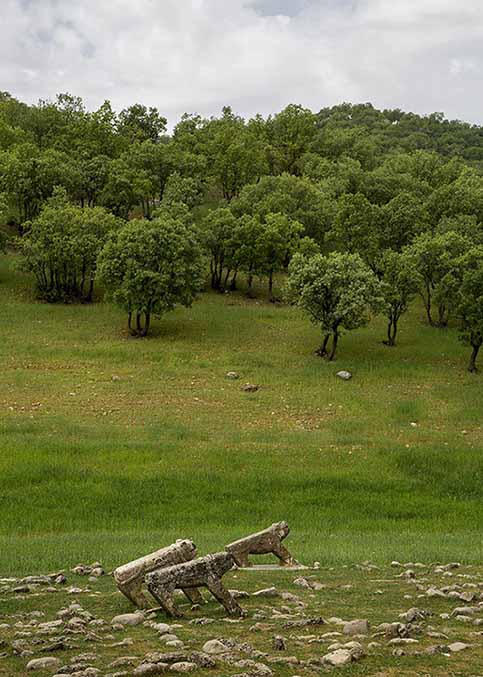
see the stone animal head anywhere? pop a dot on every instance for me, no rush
(281, 528)
(187, 548)
(220, 562)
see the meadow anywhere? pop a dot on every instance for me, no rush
(111, 446)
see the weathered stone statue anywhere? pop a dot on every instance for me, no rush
(202, 572)
(263, 543)
(130, 577)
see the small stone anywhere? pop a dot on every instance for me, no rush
(214, 646)
(344, 375)
(455, 647)
(122, 661)
(279, 643)
(250, 388)
(338, 658)
(47, 663)
(232, 375)
(128, 619)
(357, 627)
(115, 377)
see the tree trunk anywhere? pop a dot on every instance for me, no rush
(427, 305)
(391, 332)
(147, 322)
(322, 351)
(270, 286)
(91, 290)
(233, 281)
(335, 340)
(474, 354)
(442, 315)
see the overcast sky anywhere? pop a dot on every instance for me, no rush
(255, 55)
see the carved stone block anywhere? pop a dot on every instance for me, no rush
(268, 541)
(204, 572)
(130, 577)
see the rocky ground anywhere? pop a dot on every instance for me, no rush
(402, 619)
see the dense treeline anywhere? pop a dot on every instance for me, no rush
(364, 208)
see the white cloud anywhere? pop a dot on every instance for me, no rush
(256, 55)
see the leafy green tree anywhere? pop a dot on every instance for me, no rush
(246, 255)
(127, 187)
(463, 196)
(61, 248)
(218, 229)
(94, 173)
(298, 198)
(150, 267)
(469, 304)
(464, 224)
(235, 157)
(338, 292)
(290, 133)
(464, 289)
(356, 227)
(400, 285)
(335, 177)
(28, 177)
(278, 240)
(401, 219)
(434, 256)
(182, 189)
(139, 124)
(160, 160)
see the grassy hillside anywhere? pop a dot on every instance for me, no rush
(96, 468)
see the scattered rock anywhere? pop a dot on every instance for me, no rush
(344, 375)
(455, 647)
(214, 646)
(128, 619)
(303, 622)
(250, 388)
(279, 643)
(232, 375)
(414, 614)
(47, 663)
(357, 627)
(338, 658)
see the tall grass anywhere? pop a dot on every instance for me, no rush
(387, 465)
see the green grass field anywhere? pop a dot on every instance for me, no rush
(96, 468)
